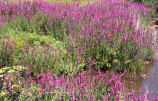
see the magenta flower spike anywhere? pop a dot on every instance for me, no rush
(104, 99)
(30, 79)
(22, 61)
(26, 71)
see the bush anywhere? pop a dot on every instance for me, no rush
(46, 50)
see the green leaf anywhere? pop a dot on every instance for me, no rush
(20, 68)
(117, 61)
(108, 65)
(11, 71)
(1, 71)
(106, 60)
(128, 61)
(6, 68)
(1, 75)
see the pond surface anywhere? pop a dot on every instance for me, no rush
(146, 81)
(151, 82)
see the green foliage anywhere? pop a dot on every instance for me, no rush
(137, 1)
(136, 66)
(124, 56)
(3, 30)
(6, 53)
(41, 59)
(128, 56)
(41, 25)
(47, 45)
(105, 58)
(22, 24)
(153, 4)
(59, 29)
(7, 70)
(150, 3)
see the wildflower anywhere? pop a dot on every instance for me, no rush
(112, 90)
(117, 84)
(26, 71)
(104, 99)
(44, 91)
(118, 98)
(32, 51)
(56, 80)
(51, 91)
(25, 45)
(9, 85)
(22, 62)
(84, 93)
(28, 49)
(67, 82)
(110, 81)
(8, 38)
(30, 79)
(37, 79)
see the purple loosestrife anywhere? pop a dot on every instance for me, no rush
(17, 64)
(32, 48)
(44, 90)
(37, 78)
(51, 91)
(30, 80)
(26, 71)
(25, 45)
(9, 85)
(110, 81)
(157, 98)
(56, 81)
(104, 99)
(90, 68)
(84, 93)
(62, 82)
(117, 84)
(22, 61)
(118, 98)
(28, 47)
(43, 78)
(140, 98)
(112, 91)
(90, 85)
(72, 95)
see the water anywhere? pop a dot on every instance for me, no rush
(151, 83)
(146, 81)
